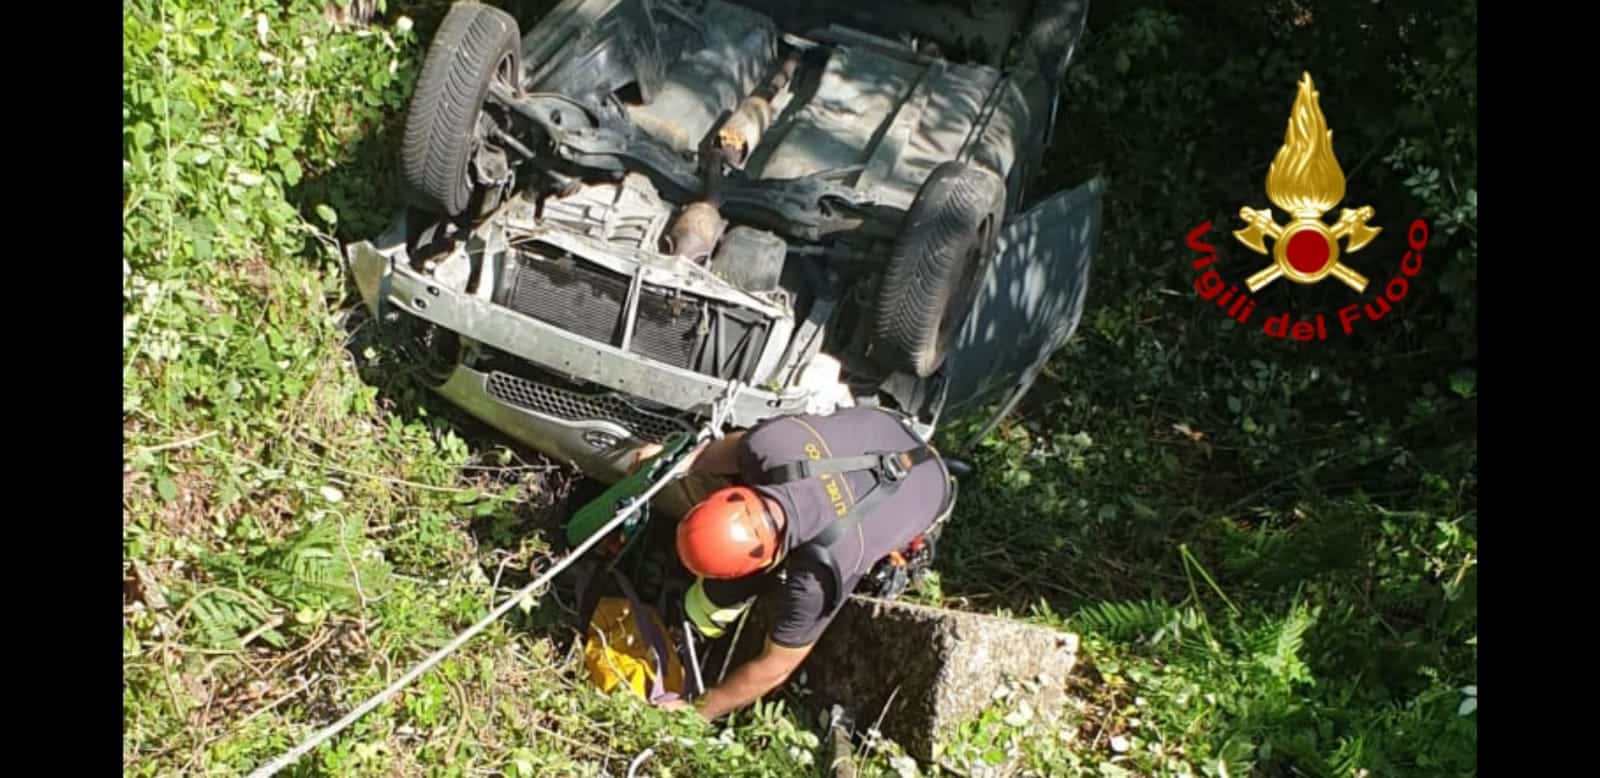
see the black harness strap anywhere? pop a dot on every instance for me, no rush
(889, 467)
(897, 463)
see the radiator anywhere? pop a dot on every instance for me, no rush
(676, 329)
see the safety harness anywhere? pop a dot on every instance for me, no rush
(662, 669)
(889, 469)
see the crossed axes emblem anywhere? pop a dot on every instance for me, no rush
(1306, 250)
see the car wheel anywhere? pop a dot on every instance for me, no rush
(945, 247)
(475, 46)
(1053, 35)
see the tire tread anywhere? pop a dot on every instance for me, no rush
(444, 107)
(926, 264)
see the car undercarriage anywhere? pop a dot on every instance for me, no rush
(638, 209)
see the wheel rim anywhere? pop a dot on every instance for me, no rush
(965, 290)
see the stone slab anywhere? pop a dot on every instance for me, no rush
(923, 670)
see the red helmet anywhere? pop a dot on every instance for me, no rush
(728, 535)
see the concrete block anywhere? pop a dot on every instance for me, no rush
(922, 669)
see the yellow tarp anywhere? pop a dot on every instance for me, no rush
(616, 652)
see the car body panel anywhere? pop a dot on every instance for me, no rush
(885, 124)
(1031, 300)
(839, 125)
(735, 49)
(979, 30)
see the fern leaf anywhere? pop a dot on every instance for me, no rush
(1276, 645)
(1235, 758)
(217, 623)
(1197, 649)
(1128, 620)
(224, 615)
(1348, 758)
(274, 638)
(314, 568)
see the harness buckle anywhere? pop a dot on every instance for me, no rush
(895, 465)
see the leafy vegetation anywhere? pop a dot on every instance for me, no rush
(1268, 546)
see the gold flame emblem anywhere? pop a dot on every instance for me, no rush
(1305, 180)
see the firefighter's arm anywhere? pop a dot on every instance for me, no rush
(750, 681)
(801, 619)
(719, 457)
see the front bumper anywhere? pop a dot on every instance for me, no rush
(565, 425)
(573, 428)
(383, 275)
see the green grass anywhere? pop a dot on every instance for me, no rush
(1270, 553)
(302, 523)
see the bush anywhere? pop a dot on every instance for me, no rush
(1271, 545)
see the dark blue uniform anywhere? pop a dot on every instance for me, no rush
(811, 504)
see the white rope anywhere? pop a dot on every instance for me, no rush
(633, 767)
(694, 661)
(722, 407)
(737, 631)
(333, 729)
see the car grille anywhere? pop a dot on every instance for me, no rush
(685, 332)
(571, 406)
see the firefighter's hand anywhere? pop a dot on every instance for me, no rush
(642, 455)
(674, 704)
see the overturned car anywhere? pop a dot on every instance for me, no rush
(643, 210)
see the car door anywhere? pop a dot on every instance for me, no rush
(1030, 304)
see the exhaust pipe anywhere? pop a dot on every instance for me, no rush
(700, 225)
(743, 130)
(696, 232)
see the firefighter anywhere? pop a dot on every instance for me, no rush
(812, 504)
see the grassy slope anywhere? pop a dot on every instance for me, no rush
(286, 482)
(275, 449)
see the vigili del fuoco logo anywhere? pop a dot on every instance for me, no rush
(1305, 181)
